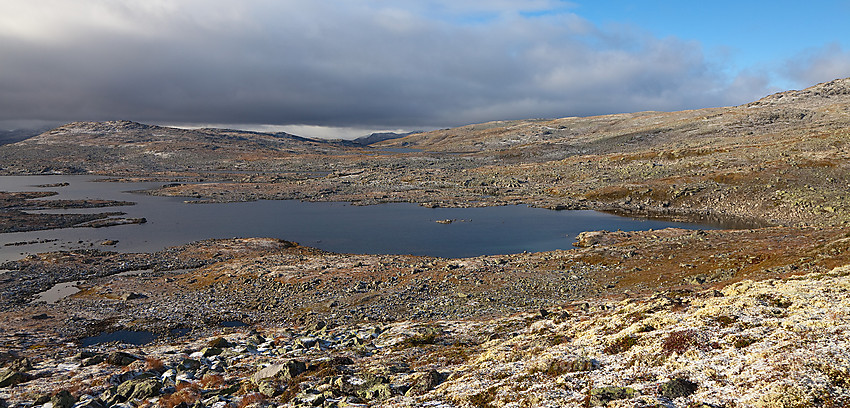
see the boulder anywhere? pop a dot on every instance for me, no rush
(9, 378)
(678, 387)
(426, 382)
(219, 342)
(132, 296)
(21, 364)
(120, 358)
(286, 371)
(139, 388)
(63, 399)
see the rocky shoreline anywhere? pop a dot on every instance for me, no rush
(15, 215)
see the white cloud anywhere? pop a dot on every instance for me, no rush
(819, 65)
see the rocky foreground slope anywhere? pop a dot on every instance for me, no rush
(773, 343)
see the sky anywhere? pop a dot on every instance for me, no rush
(345, 68)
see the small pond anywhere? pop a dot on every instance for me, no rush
(137, 338)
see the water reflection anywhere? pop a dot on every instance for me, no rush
(138, 338)
(57, 292)
(338, 227)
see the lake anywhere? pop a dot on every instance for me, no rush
(338, 227)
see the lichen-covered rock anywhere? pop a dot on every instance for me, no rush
(286, 371)
(9, 378)
(63, 399)
(21, 364)
(678, 387)
(139, 388)
(604, 395)
(120, 358)
(268, 388)
(426, 382)
(89, 403)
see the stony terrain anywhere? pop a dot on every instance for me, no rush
(773, 343)
(749, 317)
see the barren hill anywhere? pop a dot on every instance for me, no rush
(822, 107)
(121, 146)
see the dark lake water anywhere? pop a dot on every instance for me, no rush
(337, 227)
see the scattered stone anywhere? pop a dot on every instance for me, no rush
(678, 387)
(602, 396)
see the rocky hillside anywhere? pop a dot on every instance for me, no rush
(768, 344)
(121, 146)
(823, 107)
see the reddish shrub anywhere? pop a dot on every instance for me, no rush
(680, 341)
(250, 399)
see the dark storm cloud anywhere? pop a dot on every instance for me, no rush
(338, 63)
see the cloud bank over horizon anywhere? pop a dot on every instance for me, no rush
(366, 64)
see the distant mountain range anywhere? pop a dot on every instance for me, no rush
(16, 135)
(381, 137)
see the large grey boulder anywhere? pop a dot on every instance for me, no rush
(286, 371)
